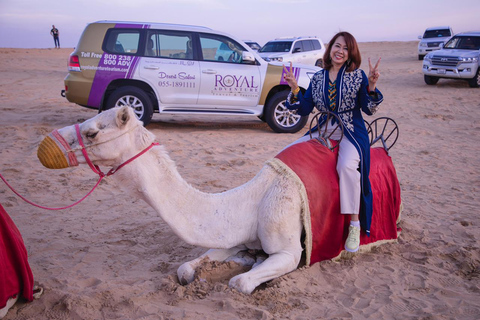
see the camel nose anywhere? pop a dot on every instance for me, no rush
(50, 154)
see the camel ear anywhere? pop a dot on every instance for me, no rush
(123, 116)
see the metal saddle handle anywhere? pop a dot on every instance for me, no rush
(323, 135)
(385, 130)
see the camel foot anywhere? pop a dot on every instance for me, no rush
(186, 273)
(242, 283)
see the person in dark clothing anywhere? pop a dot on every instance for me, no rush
(344, 89)
(55, 33)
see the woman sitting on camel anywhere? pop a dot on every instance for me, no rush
(343, 89)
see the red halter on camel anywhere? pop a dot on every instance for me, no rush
(51, 156)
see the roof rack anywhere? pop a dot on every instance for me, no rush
(295, 38)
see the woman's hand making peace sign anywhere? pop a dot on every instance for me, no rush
(289, 77)
(373, 75)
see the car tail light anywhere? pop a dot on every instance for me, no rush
(73, 63)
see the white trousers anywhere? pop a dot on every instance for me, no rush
(347, 168)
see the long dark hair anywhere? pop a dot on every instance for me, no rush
(354, 57)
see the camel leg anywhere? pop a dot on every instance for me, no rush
(279, 231)
(186, 272)
(274, 266)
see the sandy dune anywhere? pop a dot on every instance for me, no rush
(112, 257)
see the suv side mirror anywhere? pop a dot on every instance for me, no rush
(420, 37)
(248, 57)
(441, 45)
(297, 50)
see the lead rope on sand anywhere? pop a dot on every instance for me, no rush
(94, 168)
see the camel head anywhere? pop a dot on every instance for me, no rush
(109, 138)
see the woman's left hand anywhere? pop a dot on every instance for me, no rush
(373, 75)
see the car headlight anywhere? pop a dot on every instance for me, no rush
(423, 44)
(428, 58)
(468, 60)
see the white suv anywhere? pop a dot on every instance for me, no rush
(458, 59)
(433, 39)
(167, 68)
(305, 50)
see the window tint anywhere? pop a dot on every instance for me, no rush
(307, 45)
(122, 41)
(276, 46)
(166, 44)
(463, 42)
(437, 33)
(218, 48)
(316, 45)
(298, 47)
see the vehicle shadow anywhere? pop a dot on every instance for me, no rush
(206, 122)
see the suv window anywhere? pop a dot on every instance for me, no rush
(307, 45)
(464, 42)
(218, 48)
(167, 44)
(437, 33)
(277, 46)
(316, 45)
(122, 41)
(297, 47)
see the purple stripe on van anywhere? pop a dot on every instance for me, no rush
(296, 73)
(112, 67)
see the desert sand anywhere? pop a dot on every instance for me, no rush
(112, 257)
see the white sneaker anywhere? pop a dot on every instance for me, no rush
(353, 241)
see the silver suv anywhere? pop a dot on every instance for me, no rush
(305, 50)
(433, 39)
(458, 59)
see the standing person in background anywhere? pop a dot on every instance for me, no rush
(345, 90)
(55, 33)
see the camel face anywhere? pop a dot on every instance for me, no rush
(103, 136)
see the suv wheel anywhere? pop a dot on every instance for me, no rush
(475, 81)
(420, 57)
(430, 80)
(279, 118)
(135, 98)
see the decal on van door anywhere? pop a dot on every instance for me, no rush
(112, 67)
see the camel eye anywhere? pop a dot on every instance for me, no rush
(91, 135)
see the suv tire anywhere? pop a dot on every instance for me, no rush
(135, 98)
(279, 118)
(475, 81)
(420, 57)
(430, 80)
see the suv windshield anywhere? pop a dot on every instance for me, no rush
(437, 33)
(463, 42)
(276, 46)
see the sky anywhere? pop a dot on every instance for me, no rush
(27, 23)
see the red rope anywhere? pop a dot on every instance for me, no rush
(48, 208)
(94, 168)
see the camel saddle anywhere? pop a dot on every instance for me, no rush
(313, 167)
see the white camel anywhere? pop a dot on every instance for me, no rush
(263, 214)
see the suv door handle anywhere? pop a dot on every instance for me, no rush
(209, 71)
(151, 67)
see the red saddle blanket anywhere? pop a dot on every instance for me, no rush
(315, 165)
(15, 274)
